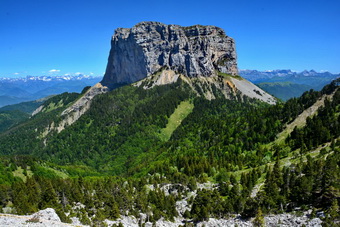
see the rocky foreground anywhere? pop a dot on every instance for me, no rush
(284, 220)
(48, 217)
(43, 218)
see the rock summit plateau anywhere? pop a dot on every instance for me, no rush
(149, 47)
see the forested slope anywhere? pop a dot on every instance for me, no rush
(135, 169)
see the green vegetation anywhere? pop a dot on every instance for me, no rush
(259, 219)
(23, 173)
(175, 120)
(11, 118)
(52, 106)
(25, 107)
(14, 114)
(284, 90)
(225, 75)
(141, 150)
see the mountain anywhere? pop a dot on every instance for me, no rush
(9, 100)
(176, 148)
(16, 90)
(160, 54)
(11, 115)
(312, 78)
(149, 47)
(12, 90)
(285, 84)
(152, 54)
(284, 90)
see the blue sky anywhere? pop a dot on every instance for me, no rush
(49, 37)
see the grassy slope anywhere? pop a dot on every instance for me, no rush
(180, 113)
(19, 172)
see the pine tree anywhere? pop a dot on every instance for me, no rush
(332, 215)
(48, 195)
(259, 219)
(334, 210)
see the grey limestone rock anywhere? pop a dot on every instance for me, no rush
(149, 47)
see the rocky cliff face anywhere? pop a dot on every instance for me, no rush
(149, 47)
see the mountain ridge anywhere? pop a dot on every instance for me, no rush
(285, 84)
(312, 78)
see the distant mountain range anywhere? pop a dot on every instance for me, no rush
(285, 84)
(16, 90)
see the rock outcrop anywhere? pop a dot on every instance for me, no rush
(152, 53)
(76, 110)
(283, 220)
(149, 47)
(43, 218)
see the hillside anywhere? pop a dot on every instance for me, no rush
(215, 143)
(14, 114)
(140, 116)
(284, 90)
(179, 140)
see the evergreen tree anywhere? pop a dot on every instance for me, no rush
(334, 211)
(259, 219)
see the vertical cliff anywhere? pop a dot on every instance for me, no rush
(148, 47)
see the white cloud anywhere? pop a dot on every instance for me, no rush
(54, 71)
(78, 73)
(16, 73)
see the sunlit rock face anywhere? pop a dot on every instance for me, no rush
(149, 47)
